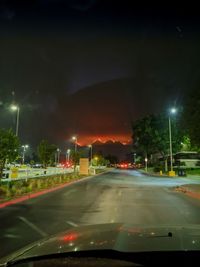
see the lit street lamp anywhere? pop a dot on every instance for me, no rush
(96, 159)
(16, 108)
(146, 163)
(74, 138)
(172, 112)
(24, 150)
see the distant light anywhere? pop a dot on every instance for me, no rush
(146, 159)
(25, 146)
(14, 107)
(68, 151)
(74, 138)
(173, 110)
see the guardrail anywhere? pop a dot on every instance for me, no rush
(25, 174)
(37, 174)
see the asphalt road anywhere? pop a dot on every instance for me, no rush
(117, 196)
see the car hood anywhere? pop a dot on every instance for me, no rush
(116, 236)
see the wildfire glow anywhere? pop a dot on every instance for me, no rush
(87, 140)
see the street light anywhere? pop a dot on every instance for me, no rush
(74, 138)
(90, 146)
(96, 159)
(146, 163)
(172, 112)
(24, 150)
(16, 108)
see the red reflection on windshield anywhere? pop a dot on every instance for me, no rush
(70, 237)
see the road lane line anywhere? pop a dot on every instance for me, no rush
(33, 226)
(72, 223)
(69, 192)
(12, 236)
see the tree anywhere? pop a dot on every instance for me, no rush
(191, 116)
(9, 145)
(112, 159)
(75, 157)
(46, 152)
(99, 160)
(151, 135)
(186, 144)
(143, 136)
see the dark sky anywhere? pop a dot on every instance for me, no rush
(91, 67)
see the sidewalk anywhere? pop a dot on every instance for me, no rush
(191, 190)
(156, 174)
(153, 174)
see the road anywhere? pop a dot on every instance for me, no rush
(116, 196)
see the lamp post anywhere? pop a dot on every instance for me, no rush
(172, 112)
(24, 150)
(58, 155)
(16, 108)
(74, 138)
(134, 155)
(68, 155)
(90, 146)
(146, 163)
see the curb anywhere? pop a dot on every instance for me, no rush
(43, 192)
(188, 192)
(157, 175)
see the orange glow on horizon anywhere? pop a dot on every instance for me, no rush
(88, 140)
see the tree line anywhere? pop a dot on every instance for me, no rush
(151, 133)
(10, 145)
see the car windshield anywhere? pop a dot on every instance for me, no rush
(99, 126)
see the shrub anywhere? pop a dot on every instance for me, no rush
(3, 191)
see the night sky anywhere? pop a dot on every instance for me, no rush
(91, 67)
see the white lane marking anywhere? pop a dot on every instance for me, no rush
(69, 192)
(12, 236)
(33, 226)
(72, 223)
